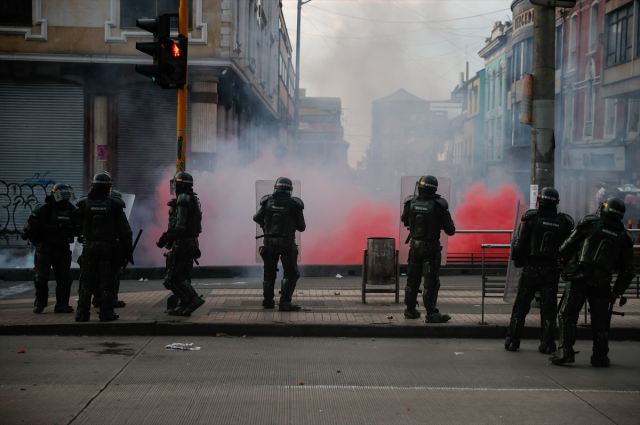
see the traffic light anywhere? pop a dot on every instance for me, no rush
(169, 69)
(173, 66)
(160, 27)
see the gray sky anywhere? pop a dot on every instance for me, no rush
(362, 50)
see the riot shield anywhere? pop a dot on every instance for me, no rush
(408, 187)
(265, 187)
(76, 248)
(513, 272)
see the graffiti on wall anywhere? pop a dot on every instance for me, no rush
(16, 202)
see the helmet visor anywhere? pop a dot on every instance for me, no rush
(64, 194)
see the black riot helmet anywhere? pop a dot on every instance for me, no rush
(427, 185)
(182, 182)
(548, 198)
(613, 209)
(63, 192)
(102, 182)
(283, 184)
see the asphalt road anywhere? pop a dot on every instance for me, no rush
(134, 380)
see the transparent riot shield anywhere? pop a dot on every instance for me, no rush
(76, 248)
(265, 187)
(513, 272)
(408, 187)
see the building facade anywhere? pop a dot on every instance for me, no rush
(601, 105)
(72, 103)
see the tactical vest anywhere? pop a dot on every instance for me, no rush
(55, 217)
(547, 235)
(423, 221)
(194, 219)
(604, 245)
(193, 226)
(99, 221)
(278, 221)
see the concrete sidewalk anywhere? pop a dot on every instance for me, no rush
(330, 307)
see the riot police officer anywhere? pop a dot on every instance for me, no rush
(105, 229)
(536, 249)
(425, 214)
(280, 216)
(97, 294)
(601, 245)
(51, 229)
(181, 238)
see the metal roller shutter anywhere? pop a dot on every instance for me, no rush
(41, 142)
(146, 140)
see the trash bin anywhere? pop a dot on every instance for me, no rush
(380, 267)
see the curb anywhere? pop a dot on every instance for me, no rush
(156, 328)
(231, 272)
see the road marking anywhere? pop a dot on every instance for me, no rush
(5, 292)
(373, 387)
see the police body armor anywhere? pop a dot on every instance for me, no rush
(423, 221)
(278, 222)
(193, 226)
(604, 245)
(99, 224)
(547, 234)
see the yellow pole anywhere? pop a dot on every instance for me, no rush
(181, 160)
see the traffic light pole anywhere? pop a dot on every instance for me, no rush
(542, 130)
(181, 159)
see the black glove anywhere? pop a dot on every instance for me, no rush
(161, 242)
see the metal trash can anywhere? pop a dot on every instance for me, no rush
(380, 267)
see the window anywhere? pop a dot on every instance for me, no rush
(500, 75)
(494, 89)
(573, 41)
(488, 91)
(15, 12)
(610, 118)
(568, 116)
(593, 28)
(590, 98)
(131, 10)
(619, 35)
(634, 116)
(559, 46)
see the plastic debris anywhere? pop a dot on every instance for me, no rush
(221, 334)
(188, 346)
(458, 352)
(146, 280)
(389, 317)
(21, 350)
(301, 383)
(408, 409)
(336, 293)
(141, 280)
(35, 385)
(339, 276)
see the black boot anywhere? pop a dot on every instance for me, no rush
(412, 313)
(42, 297)
(63, 294)
(600, 350)
(286, 292)
(116, 302)
(106, 309)
(548, 343)
(268, 294)
(437, 317)
(512, 341)
(84, 305)
(193, 300)
(563, 355)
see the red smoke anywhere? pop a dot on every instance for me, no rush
(484, 209)
(346, 242)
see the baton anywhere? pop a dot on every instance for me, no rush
(259, 237)
(133, 249)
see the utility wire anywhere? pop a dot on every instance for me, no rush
(403, 22)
